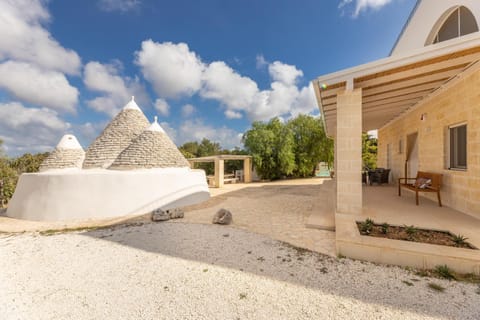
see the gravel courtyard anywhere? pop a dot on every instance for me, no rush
(196, 271)
(257, 268)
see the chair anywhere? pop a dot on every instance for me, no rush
(379, 175)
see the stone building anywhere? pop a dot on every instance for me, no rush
(151, 149)
(68, 154)
(149, 173)
(117, 136)
(424, 101)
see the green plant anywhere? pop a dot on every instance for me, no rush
(422, 273)
(408, 283)
(366, 227)
(436, 287)
(444, 271)
(459, 239)
(411, 231)
(385, 228)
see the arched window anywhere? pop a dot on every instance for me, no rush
(459, 23)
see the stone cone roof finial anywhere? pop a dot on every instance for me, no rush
(132, 105)
(155, 126)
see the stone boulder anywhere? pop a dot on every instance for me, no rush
(223, 216)
(176, 213)
(160, 215)
(164, 215)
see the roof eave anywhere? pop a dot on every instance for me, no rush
(428, 52)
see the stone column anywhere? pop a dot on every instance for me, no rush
(348, 149)
(219, 169)
(247, 170)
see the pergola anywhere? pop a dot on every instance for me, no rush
(219, 161)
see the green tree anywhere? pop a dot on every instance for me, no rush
(189, 149)
(272, 148)
(208, 148)
(369, 151)
(28, 162)
(311, 145)
(11, 169)
(8, 177)
(205, 148)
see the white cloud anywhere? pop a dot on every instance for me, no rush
(23, 37)
(261, 62)
(305, 102)
(40, 87)
(196, 130)
(116, 90)
(284, 73)
(162, 107)
(30, 129)
(172, 69)
(188, 110)
(363, 5)
(230, 114)
(119, 5)
(222, 83)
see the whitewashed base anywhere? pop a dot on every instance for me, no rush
(74, 194)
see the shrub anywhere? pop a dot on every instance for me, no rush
(444, 271)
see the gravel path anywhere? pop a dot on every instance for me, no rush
(194, 271)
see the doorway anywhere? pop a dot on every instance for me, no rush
(411, 161)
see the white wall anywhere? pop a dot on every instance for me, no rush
(424, 19)
(73, 194)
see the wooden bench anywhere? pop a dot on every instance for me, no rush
(424, 182)
(230, 178)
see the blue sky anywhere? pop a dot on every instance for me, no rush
(206, 68)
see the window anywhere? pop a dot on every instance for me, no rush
(459, 23)
(400, 146)
(458, 147)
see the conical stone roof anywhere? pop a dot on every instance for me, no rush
(152, 149)
(67, 154)
(117, 136)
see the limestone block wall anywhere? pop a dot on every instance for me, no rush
(348, 152)
(457, 104)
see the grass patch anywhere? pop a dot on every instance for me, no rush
(445, 272)
(436, 287)
(51, 232)
(408, 283)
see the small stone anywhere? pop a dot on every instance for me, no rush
(176, 213)
(160, 215)
(223, 216)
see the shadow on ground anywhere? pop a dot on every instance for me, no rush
(256, 254)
